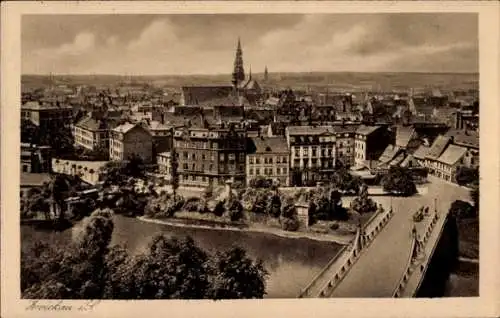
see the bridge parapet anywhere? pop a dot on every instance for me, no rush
(418, 248)
(333, 273)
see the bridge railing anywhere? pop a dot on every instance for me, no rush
(359, 243)
(398, 291)
(305, 292)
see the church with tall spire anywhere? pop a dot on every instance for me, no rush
(239, 71)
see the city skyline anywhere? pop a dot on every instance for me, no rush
(286, 43)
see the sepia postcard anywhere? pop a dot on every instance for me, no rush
(242, 159)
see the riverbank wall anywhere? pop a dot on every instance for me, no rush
(342, 240)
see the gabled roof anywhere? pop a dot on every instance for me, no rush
(389, 153)
(452, 154)
(468, 139)
(196, 95)
(404, 135)
(397, 160)
(438, 147)
(261, 145)
(366, 130)
(309, 130)
(409, 161)
(421, 152)
(125, 128)
(92, 124)
(156, 125)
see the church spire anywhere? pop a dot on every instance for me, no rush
(250, 73)
(266, 75)
(238, 72)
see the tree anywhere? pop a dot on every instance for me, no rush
(174, 162)
(466, 175)
(363, 203)
(344, 181)
(462, 210)
(274, 206)
(235, 210)
(238, 277)
(173, 268)
(399, 181)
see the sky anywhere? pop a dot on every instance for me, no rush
(205, 44)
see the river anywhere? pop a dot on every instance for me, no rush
(291, 263)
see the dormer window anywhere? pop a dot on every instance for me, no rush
(268, 148)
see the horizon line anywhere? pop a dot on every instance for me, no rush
(253, 73)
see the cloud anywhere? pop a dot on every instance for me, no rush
(82, 43)
(190, 44)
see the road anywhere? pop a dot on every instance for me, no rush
(381, 266)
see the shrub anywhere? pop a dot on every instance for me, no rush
(290, 224)
(219, 209)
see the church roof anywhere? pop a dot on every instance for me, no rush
(200, 95)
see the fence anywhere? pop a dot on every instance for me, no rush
(355, 248)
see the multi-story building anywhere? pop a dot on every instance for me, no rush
(210, 153)
(130, 140)
(164, 162)
(468, 140)
(35, 159)
(345, 143)
(91, 133)
(48, 114)
(370, 142)
(312, 153)
(445, 167)
(162, 136)
(435, 151)
(268, 157)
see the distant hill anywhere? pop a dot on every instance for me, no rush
(334, 81)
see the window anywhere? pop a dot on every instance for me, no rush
(232, 157)
(203, 157)
(242, 157)
(257, 161)
(305, 151)
(185, 154)
(193, 166)
(250, 171)
(314, 151)
(221, 157)
(284, 160)
(194, 156)
(278, 159)
(202, 167)
(278, 171)
(250, 160)
(185, 166)
(257, 171)
(284, 170)
(270, 160)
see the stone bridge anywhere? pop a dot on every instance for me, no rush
(390, 255)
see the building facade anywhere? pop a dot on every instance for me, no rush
(345, 136)
(210, 153)
(369, 144)
(48, 114)
(312, 153)
(130, 140)
(268, 157)
(35, 159)
(164, 163)
(91, 133)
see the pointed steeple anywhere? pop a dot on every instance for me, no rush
(250, 73)
(266, 75)
(238, 72)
